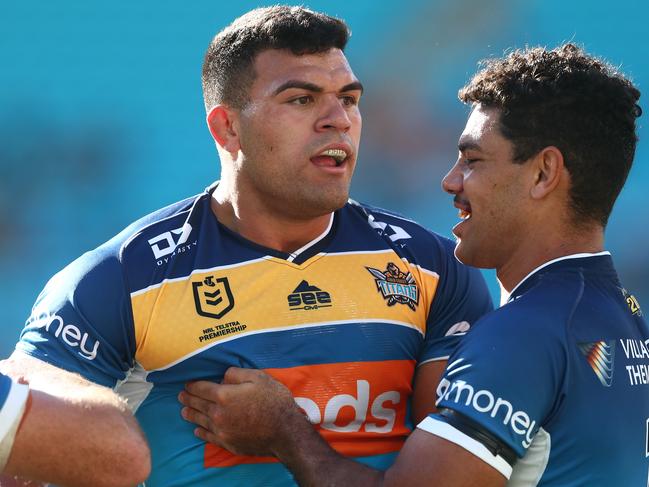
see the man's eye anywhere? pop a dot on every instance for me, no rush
(470, 162)
(349, 101)
(302, 100)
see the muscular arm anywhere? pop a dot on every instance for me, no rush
(426, 460)
(427, 377)
(271, 423)
(74, 432)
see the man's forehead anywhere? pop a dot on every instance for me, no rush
(274, 67)
(481, 121)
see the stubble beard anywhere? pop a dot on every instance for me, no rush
(304, 203)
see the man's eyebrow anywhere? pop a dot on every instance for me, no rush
(355, 86)
(468, 145)
(305, 85)
(294, 83)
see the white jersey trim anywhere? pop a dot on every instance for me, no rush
(10, 415)
(294, 255)
(505, 296)
(448, 432)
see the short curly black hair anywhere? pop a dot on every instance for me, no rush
(565, 98)
(228, 70)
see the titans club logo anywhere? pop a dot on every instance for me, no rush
(213, 297)
(600, 356)
(396, 286)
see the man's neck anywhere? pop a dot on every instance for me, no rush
(541, 249)
(264, 227)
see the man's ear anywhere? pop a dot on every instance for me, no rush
(549, 171)
(223, 124)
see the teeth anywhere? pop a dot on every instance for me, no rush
(464, 215)
(337, 154)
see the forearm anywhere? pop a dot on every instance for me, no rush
(54, 444)
(314, 463)
(75, 433)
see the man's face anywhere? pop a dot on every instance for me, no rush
(490, 192)
(299, 132)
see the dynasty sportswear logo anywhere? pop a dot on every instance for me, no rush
(166, 243)
(393, 232)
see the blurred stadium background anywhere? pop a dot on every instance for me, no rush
(101, 115)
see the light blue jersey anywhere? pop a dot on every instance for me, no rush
(552, 389)
(343, 322)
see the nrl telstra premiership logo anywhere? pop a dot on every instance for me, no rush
(396, 286)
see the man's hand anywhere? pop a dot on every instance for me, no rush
(249, 413)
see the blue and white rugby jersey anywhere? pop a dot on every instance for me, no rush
(552, 389)
(13, 397)
(343, 323)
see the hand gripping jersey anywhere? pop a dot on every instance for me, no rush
(342, 322)
(556, 382)
(13, 398)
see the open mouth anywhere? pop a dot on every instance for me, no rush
(463, 207)
(330, 158)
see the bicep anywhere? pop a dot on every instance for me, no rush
(429, 460)
(424, 395)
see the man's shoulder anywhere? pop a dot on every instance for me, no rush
(548, 305)
(156, 225)
(397, 227)
(158, 231)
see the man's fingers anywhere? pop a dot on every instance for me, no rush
(237, 375)
(196, 417)
(204, 389)
(196, 402)
(207, 436)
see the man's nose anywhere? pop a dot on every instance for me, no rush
(453, 181)
(335, 116)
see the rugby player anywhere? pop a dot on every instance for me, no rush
(272, 267)
(551, 389)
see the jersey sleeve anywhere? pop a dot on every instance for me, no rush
(82, 320)
(501, 383)
(462, 297)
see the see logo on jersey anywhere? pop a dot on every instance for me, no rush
(396, 286)
(308, 297)
(213, 297)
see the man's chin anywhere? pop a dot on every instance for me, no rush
(468, 255)
(322, 206)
